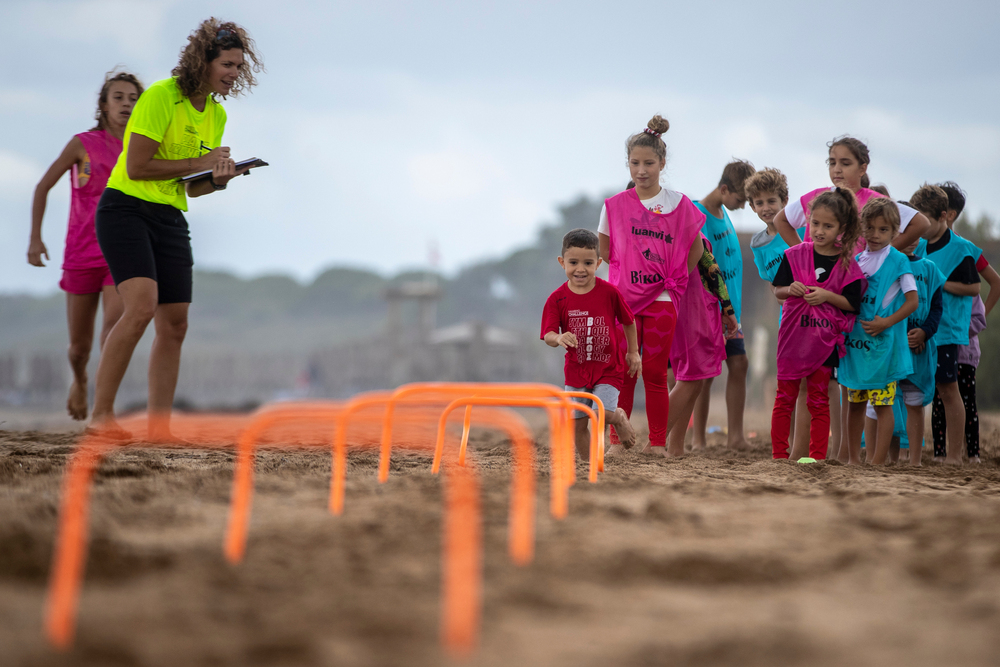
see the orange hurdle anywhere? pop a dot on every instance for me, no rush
(559, 485)
(558, 432)
(69, 556)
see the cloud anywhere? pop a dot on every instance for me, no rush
(18, 175)
(135, 25)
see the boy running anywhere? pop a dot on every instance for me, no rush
(583, 316)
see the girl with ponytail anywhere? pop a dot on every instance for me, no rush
(822, 286)
(650, 237)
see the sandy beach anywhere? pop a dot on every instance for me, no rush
(724, 558)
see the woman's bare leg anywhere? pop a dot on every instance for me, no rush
(171, 321)
(139, 297)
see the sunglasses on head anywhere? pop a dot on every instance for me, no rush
(223, 34)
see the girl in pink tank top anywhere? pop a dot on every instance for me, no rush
(89, 157)
(651, 242)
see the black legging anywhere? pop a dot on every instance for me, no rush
(939, 423)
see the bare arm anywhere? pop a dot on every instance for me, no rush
(604, 247)
(73, 153)
(142, 166)
(917, 227)
(876, 326)
(632, 357)
(786, 231)
(839, 301)
(961, 289)
(694, 255)
(564, 339)
(992, 279)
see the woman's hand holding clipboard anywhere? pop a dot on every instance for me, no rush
(243, 168)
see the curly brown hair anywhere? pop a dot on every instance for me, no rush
(767, 180)
(931, 200)
(111, 77)
(843, 205)
(204, 45)
(880, 207)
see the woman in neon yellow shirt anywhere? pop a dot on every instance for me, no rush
(175, 130)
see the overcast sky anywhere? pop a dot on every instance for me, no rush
(393, 126)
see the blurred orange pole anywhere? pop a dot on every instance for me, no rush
(242, 498)
(462, 563)
(71, 542)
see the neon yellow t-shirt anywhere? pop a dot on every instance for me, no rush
(163, 114)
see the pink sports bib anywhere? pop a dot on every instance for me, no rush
(82, 250)
(649, 250)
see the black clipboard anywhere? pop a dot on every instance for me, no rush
(253, 163)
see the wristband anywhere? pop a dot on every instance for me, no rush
(216, 186)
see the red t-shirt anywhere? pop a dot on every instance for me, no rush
(599, 357)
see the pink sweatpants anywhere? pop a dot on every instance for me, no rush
(655, 330)
(818, 400)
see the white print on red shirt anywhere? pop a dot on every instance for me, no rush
(593, 337)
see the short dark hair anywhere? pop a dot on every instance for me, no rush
(580, 238)
(956, 196)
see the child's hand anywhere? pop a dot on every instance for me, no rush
(916, 338)
(731, 325)
(875, 326)
(567, 339)
(634, 361)
(817, 296)
(797, 289)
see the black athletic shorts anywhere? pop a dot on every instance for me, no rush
(947, 365)
(736, 347)
(141, 239)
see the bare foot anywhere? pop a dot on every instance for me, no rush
(740, 445)
(697, 445)
(624, 429)
(108, 429)
(668, 453)
(949, 461)
(615, 451)
(76, 404)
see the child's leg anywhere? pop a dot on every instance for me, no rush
(658, 335)
(967, 388)
(856, 402)
(886, 424)
(871, 433)
(836, 431)
(582, 434)
(737, 366)
(915, 431)
(799, 434)
(682, 400)
(893, 456)
(845, 433)
(819, 409)
(955, 415)
(626, 397)
(616, 418)
(702, 404)
(781, 417)
(939, 425)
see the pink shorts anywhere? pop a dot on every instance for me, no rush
(86, 281)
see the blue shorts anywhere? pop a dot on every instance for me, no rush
(736, 347)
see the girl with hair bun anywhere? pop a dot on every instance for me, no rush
(175, 130)
(86, 279)
(821, 285)
(650, 236)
